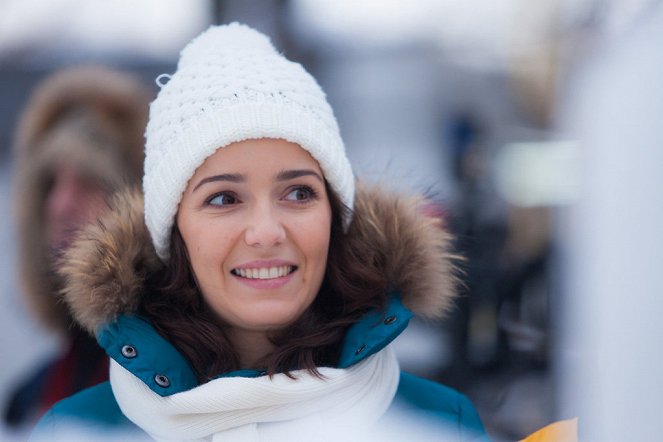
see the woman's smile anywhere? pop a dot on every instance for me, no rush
(265, 275)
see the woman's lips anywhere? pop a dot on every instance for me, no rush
(264, 275)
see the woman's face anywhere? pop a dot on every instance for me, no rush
(256, 219)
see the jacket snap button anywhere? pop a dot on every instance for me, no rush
(360, 349)
(390, 319)
(129, 351)
(162, 380)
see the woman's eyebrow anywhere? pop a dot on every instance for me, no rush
(286, 175)
(230, 177)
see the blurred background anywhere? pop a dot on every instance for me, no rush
(537, 128)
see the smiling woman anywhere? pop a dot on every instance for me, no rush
(253, 294)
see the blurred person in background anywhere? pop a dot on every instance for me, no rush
(253, 293)
(79, 138)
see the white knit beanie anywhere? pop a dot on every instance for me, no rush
(231, 85)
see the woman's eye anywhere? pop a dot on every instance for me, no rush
(222, 199)
(303, 193)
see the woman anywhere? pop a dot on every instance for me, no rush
(78, 139)
(255, 295)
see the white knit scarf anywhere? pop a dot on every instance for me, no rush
(263, 408)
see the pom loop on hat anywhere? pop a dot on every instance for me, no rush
(162, 80)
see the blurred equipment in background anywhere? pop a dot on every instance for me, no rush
(79, 138)
(500, 336)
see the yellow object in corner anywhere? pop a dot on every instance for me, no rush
(561, 431)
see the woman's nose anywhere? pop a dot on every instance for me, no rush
(265, 228)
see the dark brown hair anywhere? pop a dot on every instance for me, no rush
(349, 289)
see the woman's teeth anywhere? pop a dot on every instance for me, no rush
(264, 272)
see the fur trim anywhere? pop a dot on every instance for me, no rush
(408, 246)
(93, 117)
(106, 266)
(118, 97)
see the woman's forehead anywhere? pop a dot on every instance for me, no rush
(275, 157)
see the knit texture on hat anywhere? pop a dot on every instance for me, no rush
(231, 85)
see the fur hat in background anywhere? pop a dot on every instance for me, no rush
(89, 116)
(232, 85)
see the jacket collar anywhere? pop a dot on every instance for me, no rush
(134, 344)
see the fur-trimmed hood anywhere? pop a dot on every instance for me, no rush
(89, 116)
(106, 267)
